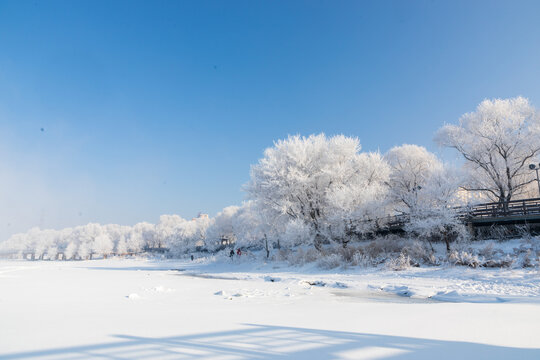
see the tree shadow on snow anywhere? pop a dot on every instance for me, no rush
(278, 342)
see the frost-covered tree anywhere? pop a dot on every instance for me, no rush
(252, 228)
(354, 207)
(117, 234)
(17, 243)
(295, 233)
(52, 252)
(102, 245)
(143, 235)
(249, 225)
(135, 242)
(192, 235)
(223, 227)
(181, 235)
(498, 141)
(121, 246)
(435, 215)
(199, 233)
(238, 223)
(70, 250)
(84, 250)
(425, 190)
(305, 177)
(412, 166)
(269, 226)
(42, 240)
(168, 229)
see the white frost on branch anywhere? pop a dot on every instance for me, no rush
(498, 141)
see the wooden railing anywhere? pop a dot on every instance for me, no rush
(494, 210)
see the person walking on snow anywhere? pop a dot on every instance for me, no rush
(238, 252)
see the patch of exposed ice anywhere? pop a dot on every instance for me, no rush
(456, 296)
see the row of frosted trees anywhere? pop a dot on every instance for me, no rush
(81, 242)
(320, 190)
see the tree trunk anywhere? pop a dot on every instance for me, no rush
(431, 245)
(266, 246)
(447, 241)
(317, 242)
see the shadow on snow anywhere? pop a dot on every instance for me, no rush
(277, 342)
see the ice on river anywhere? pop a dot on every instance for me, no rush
(135, 309)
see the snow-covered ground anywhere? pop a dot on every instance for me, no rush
(145, 309)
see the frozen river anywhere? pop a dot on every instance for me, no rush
(140, 309)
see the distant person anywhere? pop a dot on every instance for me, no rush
(239, 252)
(231, 254)
(192, 257)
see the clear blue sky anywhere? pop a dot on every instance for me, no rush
(160, 107)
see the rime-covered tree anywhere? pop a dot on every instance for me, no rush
(143, 235)
(135, 242)
(303, 177)
(498, 141)
(253, 227)
(223, 226)
(121, 246)
(435, 214)
(411, 169)
(84, 250)
(269, 226)
(192, 234)
(168, 230)
(102, 245)
(424, 188)
(354, 205)
(70, 250)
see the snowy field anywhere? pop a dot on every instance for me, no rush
(144, 309)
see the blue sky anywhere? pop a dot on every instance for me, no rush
(159, 107)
